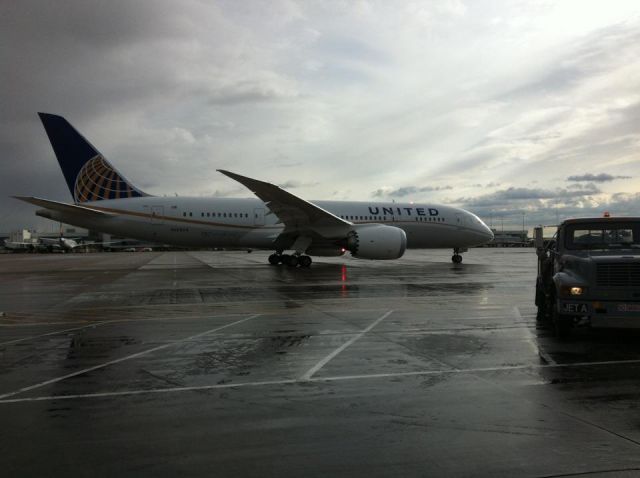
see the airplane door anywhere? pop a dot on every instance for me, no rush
(258, 217)
(461, 220)
(156, 214)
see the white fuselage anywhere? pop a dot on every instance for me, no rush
(228, 222)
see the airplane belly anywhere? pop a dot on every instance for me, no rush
(219, 236)
(261, 238)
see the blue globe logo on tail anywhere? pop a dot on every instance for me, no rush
(89, 175)
(98, 180)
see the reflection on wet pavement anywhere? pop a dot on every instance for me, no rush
(188, 362)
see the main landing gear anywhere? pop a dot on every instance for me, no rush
(456, 258)
(293, 260)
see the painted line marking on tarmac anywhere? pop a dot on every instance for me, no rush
(151, 391)
(123, 359)
(315, 380)
(147, 319)
(530, 337)
(532, 340)
(33, 337)
(340, 349)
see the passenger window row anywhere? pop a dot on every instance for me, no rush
(219, 214)
(384, 218)
(364, 218)
(348, 218)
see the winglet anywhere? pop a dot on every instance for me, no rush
(248, 182)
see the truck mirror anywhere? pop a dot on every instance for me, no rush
(538, 237)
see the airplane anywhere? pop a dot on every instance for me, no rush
(50, 244)
(66, 244)
(62, 243)
(20, 246)
(277, 220)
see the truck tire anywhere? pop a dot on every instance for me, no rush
(562, 324)
(540, 303)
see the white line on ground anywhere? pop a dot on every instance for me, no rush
(146, 319)
(333, 354)
(316, 380)
(36, 324)
(122, 359)
(56, 332)
(532, 340)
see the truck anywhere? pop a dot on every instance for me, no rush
(589, 274)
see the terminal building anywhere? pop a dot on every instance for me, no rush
(513, 238)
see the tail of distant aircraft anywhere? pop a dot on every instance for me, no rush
(89, 175)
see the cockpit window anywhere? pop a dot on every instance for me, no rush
(603, 236)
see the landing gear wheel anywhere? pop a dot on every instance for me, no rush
(456, 258)
(284, 258)
(292, 261)
(274, 259)
(305, 261)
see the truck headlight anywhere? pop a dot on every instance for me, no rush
(572, 291)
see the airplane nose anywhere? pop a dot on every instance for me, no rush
(478, 229)
(486, 230)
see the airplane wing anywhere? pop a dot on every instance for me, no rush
(98, 243)
(48, 241)
(9, 243)
(294, 212)
(65, 208)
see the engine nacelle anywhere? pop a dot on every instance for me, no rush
(377, 241)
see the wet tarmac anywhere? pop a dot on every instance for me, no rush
(217, 364)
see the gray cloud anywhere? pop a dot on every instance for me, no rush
(586, 58)
(621, 204)
(506, 197)
(407, 190)
(350, 94)
(487, 185)
(553, 122)
(597, 178)
(293, 183)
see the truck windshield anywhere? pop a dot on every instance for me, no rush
(603, 236)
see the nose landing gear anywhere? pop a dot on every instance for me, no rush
(456, 258)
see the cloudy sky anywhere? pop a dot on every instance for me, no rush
(500, 107)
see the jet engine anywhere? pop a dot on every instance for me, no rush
(377, 241)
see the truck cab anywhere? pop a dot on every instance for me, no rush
(590, 273)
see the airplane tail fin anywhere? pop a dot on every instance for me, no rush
(89, 175)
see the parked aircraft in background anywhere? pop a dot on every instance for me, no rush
(277, 220)
(51, 244)
(20, 246)
(62, 243)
